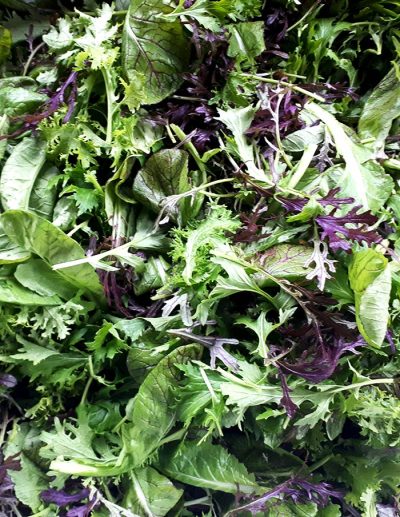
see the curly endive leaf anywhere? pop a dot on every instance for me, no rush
(155, 51)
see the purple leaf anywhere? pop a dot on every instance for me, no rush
(319, 363)
(297, 491)
(7, 380)
(61, 498)
(286, 402)
(336, 231)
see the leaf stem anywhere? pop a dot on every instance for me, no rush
(30, 58)
(110, 101)
(287, 85)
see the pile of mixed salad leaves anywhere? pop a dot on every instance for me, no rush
(199, 249)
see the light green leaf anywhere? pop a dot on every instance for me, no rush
(207, 466)
(154, 48)
(39, 236)
(370, 279)
(284, 261)
(43, 195)
(38, 276)
(380, 110)
(20, 172)
(13, 292)
(151, 494)
(300, 140)
(29, 482)
(238, 121)
(164, 174)
(33, 353)
(246, 41)
(4, 125)
(367, 183)
(201, 11)
(10, 252)
(152, 414)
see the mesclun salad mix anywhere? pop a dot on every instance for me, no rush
(200, 258)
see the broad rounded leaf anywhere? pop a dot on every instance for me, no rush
(35, 234)
(155, 52)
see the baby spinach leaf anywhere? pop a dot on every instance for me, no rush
(10, 252)
(246, 41)
(207, 466)
(164, 174)
(20, 172)
(152, 414)
(19, 101)
(13, 292)
(38, 276)
(150, 493)
(380, 110)
(39, 236)
(155, 51)
(43, 195)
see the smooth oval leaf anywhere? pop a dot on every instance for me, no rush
(284, 261)
(13, 292)
(155, 52)
(150, 494)
(164, 174)
(207, 466)
(20, 172)
(39, 236)
(372, 309)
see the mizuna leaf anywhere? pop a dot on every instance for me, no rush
(152, 414)
(20, 172)
(39, 236)
(207, 466)
(150, 493)
(155, 51)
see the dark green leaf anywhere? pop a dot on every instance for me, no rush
(155, 52)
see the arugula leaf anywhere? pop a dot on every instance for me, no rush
(207, 466)
(155, 52)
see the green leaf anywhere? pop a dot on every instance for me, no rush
(370, 279)
(164, 174)
(366, 182)
(10, 252)
(201, 11)
(284, 261)
(43, 195)
(29, 482)
(39, 236)
(300, 140)
(4, 125)
(5, 44)
(12, 292)
(152, 414)
(38, 276)
(20, 172)
(33, 353)
(18, 101)
(238, 121)
(246, 41)
(380, 110)
(154, 51)
(150, 494)
(207, 466)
